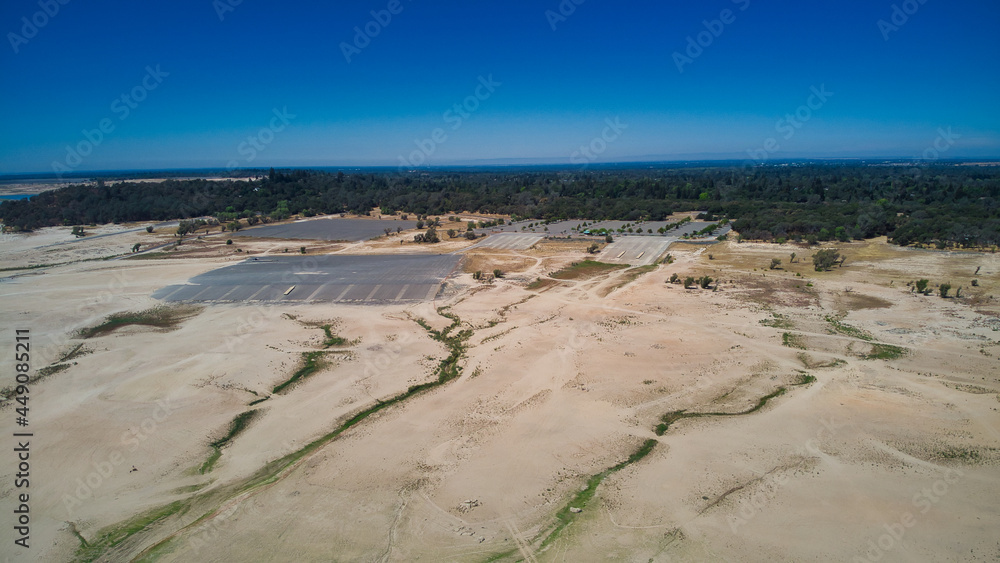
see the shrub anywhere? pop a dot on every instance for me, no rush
(945, 288)
(471, 235)
(674, 278)
(705, 282)
(775, 263)
(922, 286)
(420, 224)
(497, 273)
(688, 282)
(229, 241)
(302, 250)
(149, 229)
(975, 283)
(608, 239)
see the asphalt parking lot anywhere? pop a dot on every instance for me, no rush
(509, 241)
(328, 278)
(329, 229)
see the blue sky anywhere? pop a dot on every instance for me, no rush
(558, 74)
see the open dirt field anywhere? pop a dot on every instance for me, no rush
(559, 413)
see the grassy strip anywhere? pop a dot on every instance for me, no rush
(74, 353)
(238, 425)
(586, 269)
(91, 551)
(311, 363)
(272, 471)
(34, 267)
(258, 401)
(672, 417)
(160, 317)
(565, 516)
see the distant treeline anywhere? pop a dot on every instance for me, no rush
(941, 204)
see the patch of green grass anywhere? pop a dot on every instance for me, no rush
(792, 340)
(258, 401)
(159, 317)
(886, 352)
(778, 321)
(311, 363)
(238, 425)
(332, 339)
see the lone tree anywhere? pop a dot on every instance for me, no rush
(705, 282)
(825, 259)
(451, 233)
(593, 249)
(922, 286)
(688, 282)
(674, 278)
(609, 239)
(792, 256)
(78, 232)
(775, 263)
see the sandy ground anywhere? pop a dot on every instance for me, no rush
(888, 460)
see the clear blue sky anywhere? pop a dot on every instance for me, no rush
(937, 71)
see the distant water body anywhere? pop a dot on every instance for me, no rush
(18, 196)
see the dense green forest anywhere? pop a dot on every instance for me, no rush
(945, 204)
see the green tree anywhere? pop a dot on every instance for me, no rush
(825, 259)
(689, 282)
(922, 285)
(775, 263)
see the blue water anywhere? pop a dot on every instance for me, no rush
(22, 196)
